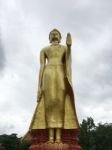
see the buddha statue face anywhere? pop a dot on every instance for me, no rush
(54, 35)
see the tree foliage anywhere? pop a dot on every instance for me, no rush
(95, 137)
(12, 142)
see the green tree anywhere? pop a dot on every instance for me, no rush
(104, 136)
(12, 142)
(94, 137)
(87, 134)
(25, 145)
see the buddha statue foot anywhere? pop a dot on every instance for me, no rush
(58, 141)
(50, 141)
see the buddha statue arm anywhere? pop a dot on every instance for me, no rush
(68, 57)
(42, 66)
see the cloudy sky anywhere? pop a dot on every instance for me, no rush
(24, 29)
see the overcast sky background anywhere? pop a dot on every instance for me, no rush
(24, 29)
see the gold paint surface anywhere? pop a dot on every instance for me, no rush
(55, 108)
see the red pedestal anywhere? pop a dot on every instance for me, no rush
(69, 140)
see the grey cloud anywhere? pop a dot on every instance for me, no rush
(82, 18)
(96, 79)
(5, 128)
(68, 9)
(2, 57)
(104, 68)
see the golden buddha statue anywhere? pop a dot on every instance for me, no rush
(55, 109)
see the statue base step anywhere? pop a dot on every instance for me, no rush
(69, 140)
